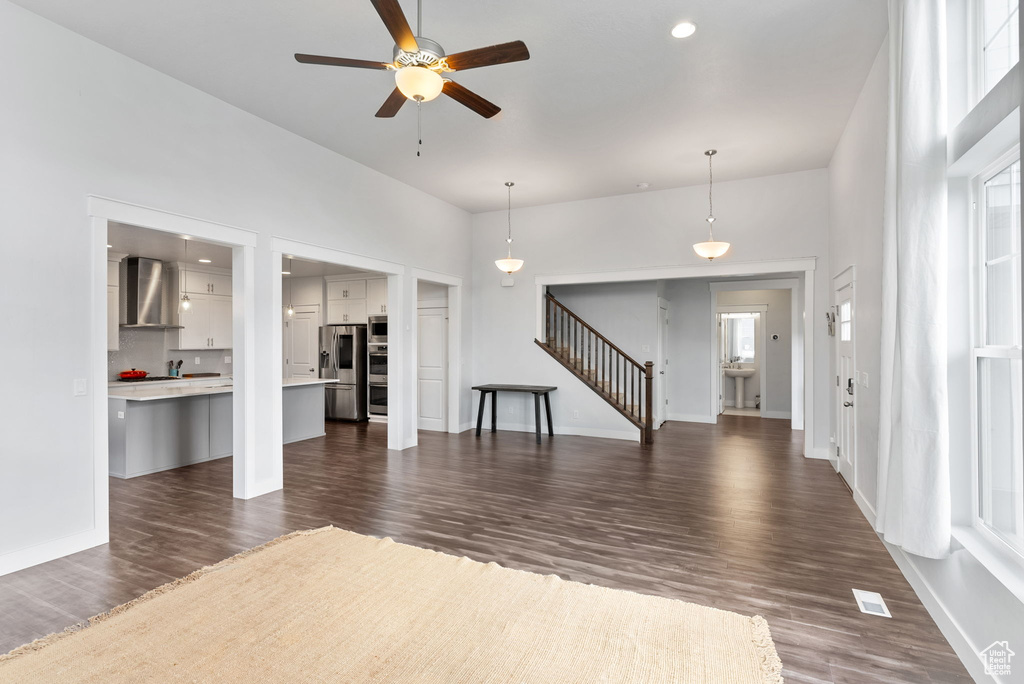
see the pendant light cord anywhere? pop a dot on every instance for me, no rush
(419, 127)
(419, 17)
(711, 206)
(509, 239)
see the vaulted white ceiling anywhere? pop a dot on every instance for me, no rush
(608, 99)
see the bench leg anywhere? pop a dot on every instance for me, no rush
(536, 414)
(494, 411)
(480, 413)
(547, 407)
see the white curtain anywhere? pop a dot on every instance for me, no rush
(913, 443)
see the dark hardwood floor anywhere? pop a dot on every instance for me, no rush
(729, 516)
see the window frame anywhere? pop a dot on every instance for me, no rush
(981, 349)
(976, 45)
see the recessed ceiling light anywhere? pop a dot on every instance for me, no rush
(286, 272)
(642, 186)
(684, 29)
(205, 261)
(110, 246)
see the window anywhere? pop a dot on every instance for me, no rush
(998, 41)
(997, 371)
(845, 321)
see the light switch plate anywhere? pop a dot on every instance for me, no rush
(79, 387)
(120, 415)
(646, 348)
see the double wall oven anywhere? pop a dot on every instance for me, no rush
(378, 364)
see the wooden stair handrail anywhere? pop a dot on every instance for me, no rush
(627, 357)
(563, 343)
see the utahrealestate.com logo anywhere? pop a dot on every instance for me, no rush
(997, 658)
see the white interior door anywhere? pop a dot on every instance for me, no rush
(432, 369)
(846, 378)
(661, 379)
(302, 342)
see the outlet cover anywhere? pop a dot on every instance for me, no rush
(646, 348)
(511, 409)
(227, 359)
(575, 415)
(120, 415)
(198, 360)
(79, 387)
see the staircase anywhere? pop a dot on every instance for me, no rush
(614, 375)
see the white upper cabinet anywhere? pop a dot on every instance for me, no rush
(346, 311)
(376, 297)
(207, 323)
(200, 282)
(346, 289)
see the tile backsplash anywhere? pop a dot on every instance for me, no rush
(150, 350)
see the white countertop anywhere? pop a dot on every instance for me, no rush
(170, 389)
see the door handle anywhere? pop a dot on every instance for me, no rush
(847, 404)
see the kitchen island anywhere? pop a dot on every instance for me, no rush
(168, 424)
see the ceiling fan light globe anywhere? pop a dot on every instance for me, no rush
(419, 83)
(509, 265)
(711, 249)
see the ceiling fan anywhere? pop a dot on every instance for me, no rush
(419, 64)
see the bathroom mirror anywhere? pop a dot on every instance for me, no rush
(740, 332)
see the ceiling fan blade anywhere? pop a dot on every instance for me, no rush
(339, 61)
(496, 54)
(470, 99)
(394, 19)
(391, 105)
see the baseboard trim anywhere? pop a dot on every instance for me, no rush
(466, 426)
(820, 453)
(778, 415)
(947, 624)
(692, 418)
(51, 550)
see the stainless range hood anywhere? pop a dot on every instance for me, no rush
(145, 294)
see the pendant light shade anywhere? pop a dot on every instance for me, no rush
(419, 83)
(508, 264)
(710, 249)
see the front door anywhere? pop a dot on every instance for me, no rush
(846, 377)
(302, 342)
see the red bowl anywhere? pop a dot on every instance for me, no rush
(133, 374)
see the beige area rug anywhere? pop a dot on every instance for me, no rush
(334, 606)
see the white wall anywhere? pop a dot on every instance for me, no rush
(690, 332)
(78, 119)
(776, 217)
(856, 193)
(777, 356)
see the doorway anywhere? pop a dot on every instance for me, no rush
(742, 360)
(844, 406)
(661, 379)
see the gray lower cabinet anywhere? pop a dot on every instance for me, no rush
(150, 436)
(302, 408)
(222, 433)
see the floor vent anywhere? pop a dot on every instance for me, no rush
(871, 602)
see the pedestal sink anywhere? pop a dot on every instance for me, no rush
(739, 374)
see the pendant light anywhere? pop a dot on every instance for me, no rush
(710, 249)
(185, 303)
(290, 310)
(508, 264)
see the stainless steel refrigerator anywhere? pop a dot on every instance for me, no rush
(343, 358)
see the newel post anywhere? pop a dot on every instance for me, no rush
(649, 402)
